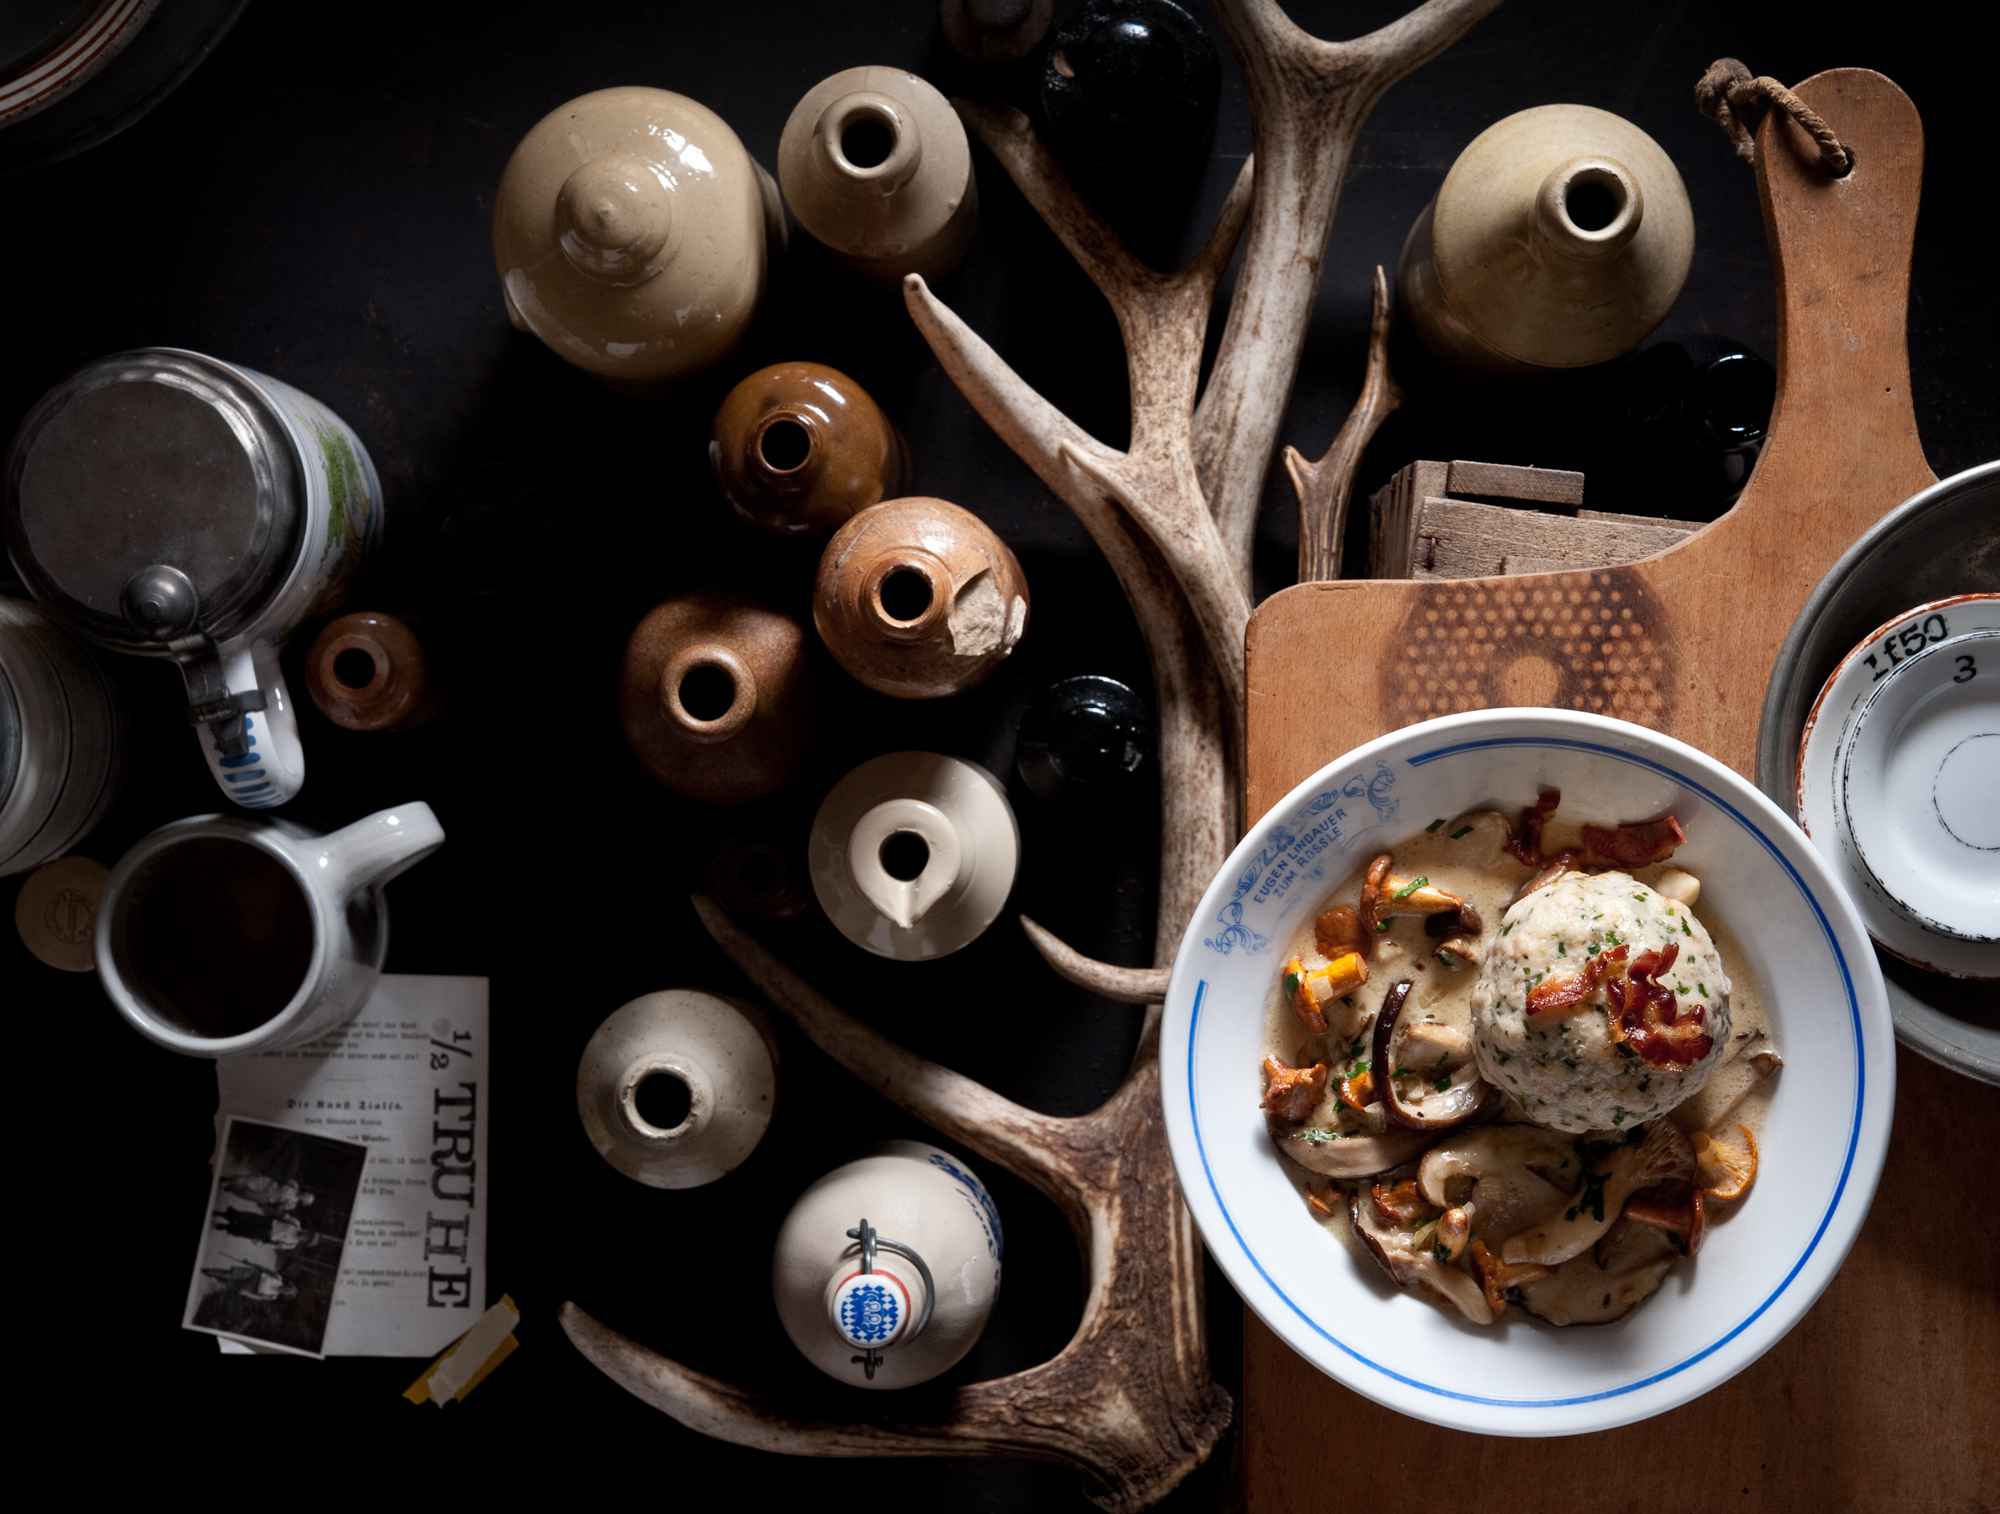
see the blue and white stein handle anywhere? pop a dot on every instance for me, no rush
(252, 746)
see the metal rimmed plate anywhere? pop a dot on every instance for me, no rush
(1940, 544)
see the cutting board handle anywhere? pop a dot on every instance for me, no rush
(1841, 252)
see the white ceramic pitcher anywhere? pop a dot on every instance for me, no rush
(220, 935)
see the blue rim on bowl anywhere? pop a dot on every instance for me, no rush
(1240, 1226)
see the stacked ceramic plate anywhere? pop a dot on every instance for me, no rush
(1882, 733)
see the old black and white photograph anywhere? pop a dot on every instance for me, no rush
(277, 1220)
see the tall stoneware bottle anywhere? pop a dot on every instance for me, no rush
(633, 233)
(1560, 239)
(799, 448)
(713, 696)
(918, 598)
(886, 1269)
(875, 164)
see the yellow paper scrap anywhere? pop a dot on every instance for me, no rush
(488, 1343)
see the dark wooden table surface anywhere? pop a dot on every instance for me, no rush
(314, 202)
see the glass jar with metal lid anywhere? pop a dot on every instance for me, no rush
(167, 504)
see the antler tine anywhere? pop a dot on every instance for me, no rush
(1102, 486)
(1325, 485)
(1128, 985)
(1215, 254)
(1309, 99)
(1033, 1146)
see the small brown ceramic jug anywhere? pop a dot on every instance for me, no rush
(713, 697)
(798, 448)
(1560, 238)
(875, 164)
(367, 672)
(633, 232)
(918, 598)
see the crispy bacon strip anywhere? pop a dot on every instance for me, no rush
(1292, 1093)
(1639, 844)
(1554, 994)
(1526, 841)
(1650, 1019)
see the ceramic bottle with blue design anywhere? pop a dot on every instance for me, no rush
(166, 504)
(886, 1269)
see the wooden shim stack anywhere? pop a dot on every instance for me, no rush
(1441, 520)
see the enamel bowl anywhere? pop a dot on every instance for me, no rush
(1821, 1145)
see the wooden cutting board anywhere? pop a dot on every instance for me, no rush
(1887, 1394)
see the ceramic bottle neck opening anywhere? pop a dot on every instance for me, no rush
(662, 1100)
(708, 692)
(906, 856)
(786, 451)
(907, 595)
(871, 141)
(615, 219)
(1589, 208)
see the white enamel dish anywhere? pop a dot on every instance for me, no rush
(1899, 782)
(1822, 1143)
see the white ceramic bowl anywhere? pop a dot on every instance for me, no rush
(1822, 1143)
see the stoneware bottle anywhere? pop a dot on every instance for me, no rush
(886, 1269)
(714, 697)
(918, 598)
(995, 31)
(913, 854)
(798, 448)
(633, 233)
(367, 672)
(1560, 239)
(166, 504)
(876, 166)
(59, 739)
(676, 1088)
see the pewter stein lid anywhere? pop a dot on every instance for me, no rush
(151, 497)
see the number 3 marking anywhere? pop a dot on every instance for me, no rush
(1967, 668)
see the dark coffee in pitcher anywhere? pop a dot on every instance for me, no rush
(215, 936)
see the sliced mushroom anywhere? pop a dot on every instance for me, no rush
(1678, 887)
(1385, 894)
(1675, 1208)
(1292, 1093)
(1512, 1176)
(1549, 871)
(1453, 1104)
(1662, 1154)
(1607, 1282)
(1400, 1202)
(1413, 1263)
(1455, 1229)
(1335, 1153)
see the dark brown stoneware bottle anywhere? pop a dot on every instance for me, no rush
(714, 699)
(368, 672)
(798, 448)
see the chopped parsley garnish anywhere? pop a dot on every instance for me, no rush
(1413, 885)
(1506, 1057)
(1640, 896)
(1358, 1068)
(1447, 956)
(1702, 986)
(1508, 926)
(1381, 925)
(1318, 1135)
(1561, 950)
(1440, 1253)
(1442, 1081)
(1593, 1197)
(1612, 938)
(1434, 825)
(1354, 1046)
(1461, 833)
(1617, 1117)
(1292, 984)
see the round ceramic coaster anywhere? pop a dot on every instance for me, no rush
(56, 912)
(1897, 783)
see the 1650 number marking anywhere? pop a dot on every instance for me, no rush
(1899, 646)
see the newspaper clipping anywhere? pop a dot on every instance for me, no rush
(407, 1079)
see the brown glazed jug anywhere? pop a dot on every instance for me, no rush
(798, 448)
(367, 672)
(918, 598)
(713, 697)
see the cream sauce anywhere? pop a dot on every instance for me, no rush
(1467, 857)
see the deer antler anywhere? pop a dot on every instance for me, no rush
(1129, 1400)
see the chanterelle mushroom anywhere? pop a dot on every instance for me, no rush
(1414, 1263)
(1385, 894)
(1291, 1093)
(1662, 1154)
(1449, 1099)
